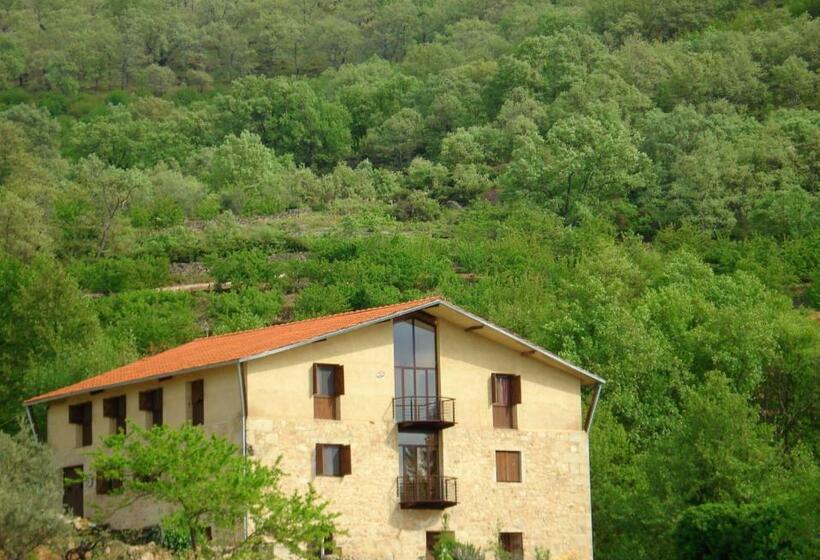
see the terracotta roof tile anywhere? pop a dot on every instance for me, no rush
(214, 350)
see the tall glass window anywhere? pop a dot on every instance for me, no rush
(414, 353)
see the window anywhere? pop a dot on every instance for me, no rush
(512, 543)
(80, 415)
(416, 369)
(508, 466)
(114, 409)
(196, 399)
(505, 394)
(105, 486)
(328, 385)
(332, 460)
(73, 489)
(432, 540)
(324, 548)
(151, 403)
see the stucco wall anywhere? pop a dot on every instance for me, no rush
(550, 506)
(222, 416)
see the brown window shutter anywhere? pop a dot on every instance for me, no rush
(515, 389)
(109, 408)
(500, 466)
(339, 380)
(319, 459)
(344, 456)
(315, 379)
(146, 401)
(198, 402)
(493, 389)
(514, 466)
(157, 407)
(102, 485)
(87, 424)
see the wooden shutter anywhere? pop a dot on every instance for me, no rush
(103, 486)
(76, 414)
(500, 466)
(197, 402)
(315, 379)
(146, 400)
(515, 389)
(320, 459)
(87, 437)
(110, 408)
(493, 389)
(344, 459)
(339, 380)
(157, 407)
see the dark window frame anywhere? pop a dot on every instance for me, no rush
(328, 406)
(115, 408)
(345, 464)
(196, 390)
(104, 486)
(151, 401)
(505, 410)
(81, 415)
(513, 543)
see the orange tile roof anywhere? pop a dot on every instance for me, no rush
(226, 348)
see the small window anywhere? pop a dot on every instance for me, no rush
(196, 409)
(505, 393)
(80, 415)
(151, 403)
(332, 460)
(508, 466)
(105, 486)
(432, 539)
(114, 409)
(328, 385)
(513, 543)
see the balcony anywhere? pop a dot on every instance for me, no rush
(433, 413)
(427, 492)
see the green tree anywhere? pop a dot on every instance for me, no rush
(30, 494)
(208, 482)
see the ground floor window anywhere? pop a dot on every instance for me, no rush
(432, 540)
(513, 543)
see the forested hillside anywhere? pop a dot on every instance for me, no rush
(630, 184)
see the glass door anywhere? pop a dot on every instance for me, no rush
(416, 372)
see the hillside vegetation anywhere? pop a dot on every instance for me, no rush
(630, 184)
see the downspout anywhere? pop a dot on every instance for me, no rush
(243, 432)
(599, 387)
(31, 422)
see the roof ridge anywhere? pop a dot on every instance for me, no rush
(288, 323)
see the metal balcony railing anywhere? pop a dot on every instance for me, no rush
(436, 412)
(427, 492)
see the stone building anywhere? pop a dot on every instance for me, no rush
(399, 415)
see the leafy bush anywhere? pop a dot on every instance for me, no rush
(30, 494)
(111, 275)
(733, 532)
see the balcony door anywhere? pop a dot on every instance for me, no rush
(419, 465)
(416, 371)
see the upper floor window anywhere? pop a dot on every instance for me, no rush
(332, 460)
(415, 361)
(328, 385)
(151, 403)
(80, 415)
(506, 393)
(114, 409)
(196, 402)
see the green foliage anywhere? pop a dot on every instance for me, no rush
(754, 532)
(210, 484)
(30, 491)
(631, 184)
(156, 320)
